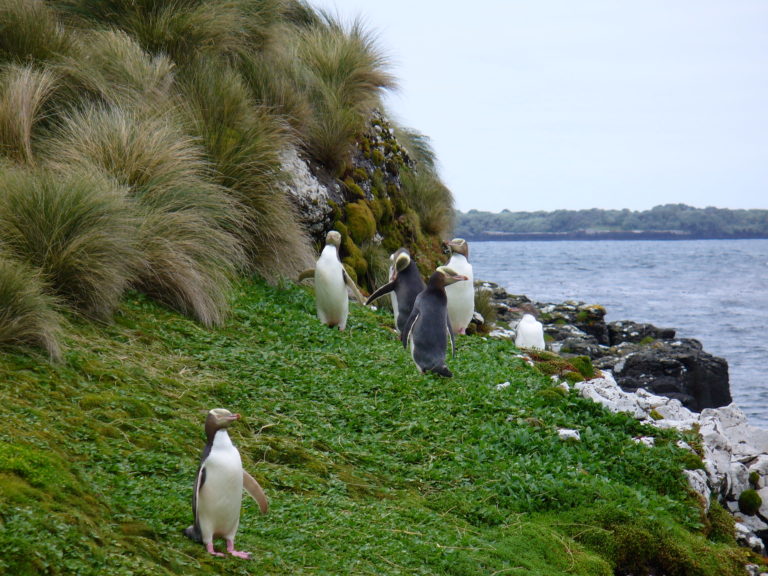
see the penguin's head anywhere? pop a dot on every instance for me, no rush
(402, 260)
(449, 275)
(219, 419)
(334, 238)
(459, 246)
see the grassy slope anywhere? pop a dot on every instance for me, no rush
(371, 468)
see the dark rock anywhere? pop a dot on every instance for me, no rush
(639, 355)
(628, 331)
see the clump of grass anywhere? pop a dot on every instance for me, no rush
(24, 91)
(243, 142)
(484, 304)
(30, 30)
(346, 72)
(189, 253)
(28, 315)
(431, 200)
(76, 228)
(113, 67)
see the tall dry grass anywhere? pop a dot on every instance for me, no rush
(243, 141)
(28, 314)
(24, 91)
(30, 31)
(112, 67)
(431, 200)
(345, 74)
(189, 253)
(76, 228)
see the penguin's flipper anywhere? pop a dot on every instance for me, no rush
(450, 335)
(386, 289)
(310, 273)
(254, 489)
(405, 335)
(352, 286)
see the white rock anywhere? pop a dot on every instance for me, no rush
(502, 386)
(697, 480)
(567, 434)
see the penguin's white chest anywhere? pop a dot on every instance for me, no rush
(529, 333)
(330, 289)
(220, 496)
(461, 295)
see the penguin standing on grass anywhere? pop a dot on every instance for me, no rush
(219, 485)
(405, 283)
(461, 295)
(331, 282)
(428, 328)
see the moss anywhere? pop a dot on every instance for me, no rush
(583, 365)
(720, 525)
(692, 461)
(750, 502)
(647, 340)
(355, 191)
(360, 222)
(655, 415)
(754, 479)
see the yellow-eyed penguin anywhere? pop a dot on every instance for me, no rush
(219, 485)
(529, 333)
(405, 283)
(331, 282)
(428, 328)
(461, 295)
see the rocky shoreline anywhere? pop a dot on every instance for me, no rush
(666, 382)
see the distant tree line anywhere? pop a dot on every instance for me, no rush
(667, 221)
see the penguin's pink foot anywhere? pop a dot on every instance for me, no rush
(211, 550)
(462, 330)
(237, 553)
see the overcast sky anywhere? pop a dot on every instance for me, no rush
(572, 104)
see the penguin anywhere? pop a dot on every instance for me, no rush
(428, 327)
(331, 282)
(529, 333)
(405, 284)
(461, 296)
(219, 484)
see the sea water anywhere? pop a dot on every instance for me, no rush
(715, 291)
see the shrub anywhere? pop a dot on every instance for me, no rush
(28, 315)
(189, 254)
(23, 94)
(484, 305)
(76, 228)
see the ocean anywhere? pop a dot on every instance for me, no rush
(715, 291)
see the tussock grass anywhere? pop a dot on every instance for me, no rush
(76, 228)
(24, 91)
(113, 67)
(346, 72)
(30, 30)
(184, 30)
(28, 314)
(243, 142)
(431, 200)
(189, 253)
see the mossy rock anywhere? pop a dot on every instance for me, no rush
(583, 365)
(720, 524)
(754, 479)
(355, 191)
(361, 222)
(750, 502)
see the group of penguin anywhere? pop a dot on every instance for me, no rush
(426, 317)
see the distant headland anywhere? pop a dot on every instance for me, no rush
(667, 222)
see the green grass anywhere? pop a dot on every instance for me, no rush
(371, 468)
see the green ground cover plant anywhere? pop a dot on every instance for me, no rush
(371, 468)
